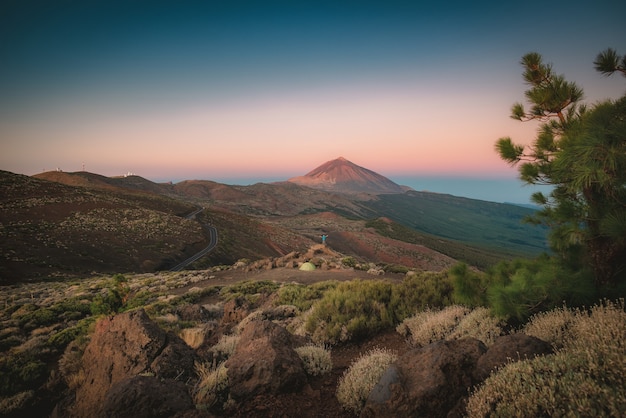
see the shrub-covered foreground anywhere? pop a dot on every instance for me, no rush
(585, 377)
(45, 328)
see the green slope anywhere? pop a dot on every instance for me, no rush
(492, 225)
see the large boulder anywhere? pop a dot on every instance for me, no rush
(123, 347)
(430, 381)
(146, 397)
(508, 348)
(264, 362)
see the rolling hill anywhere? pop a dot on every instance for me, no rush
(51, 229)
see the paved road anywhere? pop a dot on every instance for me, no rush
(212, 243)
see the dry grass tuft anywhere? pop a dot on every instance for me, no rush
(479, 324)
(358, 381)
(225, 346)
(316, 358)
(429, 326)
(193, 337)
(212, 386)
(551, 326)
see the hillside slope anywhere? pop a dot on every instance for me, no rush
(52, 229)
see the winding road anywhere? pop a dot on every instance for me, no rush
(212, 243)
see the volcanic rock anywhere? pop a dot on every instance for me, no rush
(123, 347)
(429, 381)
(507, 348)
(146, 397)
(264, 362)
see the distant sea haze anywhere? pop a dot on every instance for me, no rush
(501, 190)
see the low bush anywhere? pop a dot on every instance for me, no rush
(419, 291)
(19, 372)
(481, 324)
(360, 378)
(316, 358)
(353, 309)
(349, 262)
(302, 296)
(37, 318)
(432, 325)
(551, 326)
(585, 377)
(250, 290)
(395, 268)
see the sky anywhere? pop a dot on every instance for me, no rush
(247, 91)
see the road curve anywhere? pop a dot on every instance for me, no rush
(212, 243)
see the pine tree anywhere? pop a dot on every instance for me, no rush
(581, 153)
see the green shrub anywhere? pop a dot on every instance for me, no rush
(395, 268)
(586, 377)
(21, 372)
(249, 289)
(349, 262)
(37, 318)
(316, 358)
(77, 305)
(521, 288)
(302, 296)
(353, 309)
(10, 341)
(360, 378)
(419, 291)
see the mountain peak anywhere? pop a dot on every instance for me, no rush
(341, 175)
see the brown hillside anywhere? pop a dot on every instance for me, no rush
(54, 229)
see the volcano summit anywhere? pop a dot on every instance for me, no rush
(343, 176)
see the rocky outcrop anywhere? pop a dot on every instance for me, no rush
(264, 362)
(123, 347)
(427, 382)
(235, 310)
(508, 348)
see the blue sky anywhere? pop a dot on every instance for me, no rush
(266, 90)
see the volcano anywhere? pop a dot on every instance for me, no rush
(343, 176)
